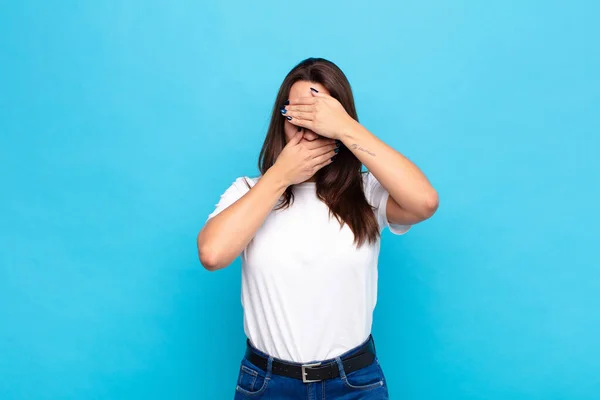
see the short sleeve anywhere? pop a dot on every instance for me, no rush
(378, 196)
(233, 193)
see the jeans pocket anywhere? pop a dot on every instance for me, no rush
(252, 380)
(366, 378)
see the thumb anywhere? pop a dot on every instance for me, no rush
(296, 138)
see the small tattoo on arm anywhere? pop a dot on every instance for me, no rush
(356, 146)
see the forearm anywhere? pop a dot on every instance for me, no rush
(225, 235)
(405, 182)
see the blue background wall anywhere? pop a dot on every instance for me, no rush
(121, 123)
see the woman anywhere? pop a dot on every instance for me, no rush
(308, 231)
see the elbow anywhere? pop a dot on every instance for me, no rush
(209, 258)
(430, 205)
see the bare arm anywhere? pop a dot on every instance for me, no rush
(412, 198)
(225, 235)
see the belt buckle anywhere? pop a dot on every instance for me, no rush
(304, 373)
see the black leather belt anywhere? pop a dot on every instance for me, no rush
(315, 372)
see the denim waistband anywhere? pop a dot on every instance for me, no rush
(347, 353)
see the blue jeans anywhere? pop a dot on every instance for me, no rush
(365, 383)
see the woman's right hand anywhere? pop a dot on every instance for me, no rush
(301, 159)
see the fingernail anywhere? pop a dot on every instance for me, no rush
(333, 158)
(338, 142)
(336, 150)
(282, 110)
(288, 117)
(314, 90)
(287, 102)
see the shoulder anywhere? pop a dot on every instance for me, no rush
(240, 186)
(245, 183)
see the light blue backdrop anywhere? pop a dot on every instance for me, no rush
(121, 123)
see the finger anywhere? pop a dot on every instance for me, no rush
(324, 159)
(300, 115)
(322, 141)
(305, 100)
(320, 151)
(300, 107)
(299, 122)
(321, 165)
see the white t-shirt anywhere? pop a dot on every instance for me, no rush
(307, 292)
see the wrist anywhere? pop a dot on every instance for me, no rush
(350, 132)
(277, 177)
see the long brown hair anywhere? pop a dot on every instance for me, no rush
(339, 184)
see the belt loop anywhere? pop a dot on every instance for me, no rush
(269, 367)
(340, 366)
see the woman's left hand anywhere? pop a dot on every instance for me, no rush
(320, 113)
